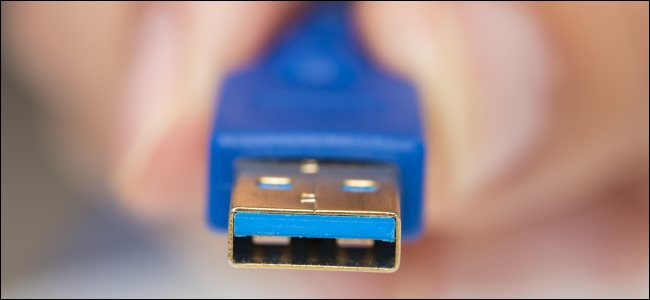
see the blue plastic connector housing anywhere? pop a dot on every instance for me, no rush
(315, 94)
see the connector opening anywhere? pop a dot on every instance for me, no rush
(314, 252)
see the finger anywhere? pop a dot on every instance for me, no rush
(181, 51)
(69, 57)
(514, 98)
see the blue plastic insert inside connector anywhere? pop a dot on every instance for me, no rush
(314, 226)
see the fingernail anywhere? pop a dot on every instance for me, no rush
(146, 107)
(487, 85)
(510, 83)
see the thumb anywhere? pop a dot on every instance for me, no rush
(180, 52)
(482, 72)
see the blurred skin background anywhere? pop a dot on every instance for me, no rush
(536, 118)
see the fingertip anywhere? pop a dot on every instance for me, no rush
(482, 73)
(160, 139)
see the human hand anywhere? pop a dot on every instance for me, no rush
(537, 121)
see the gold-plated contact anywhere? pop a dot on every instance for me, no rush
(271, 240)
(355, 243)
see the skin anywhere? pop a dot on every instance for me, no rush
(536, 119)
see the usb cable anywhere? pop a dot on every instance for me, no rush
(317, 154)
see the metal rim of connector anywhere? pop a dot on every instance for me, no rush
(315, 253)
(394, 268)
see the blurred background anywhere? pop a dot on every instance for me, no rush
(536, 118)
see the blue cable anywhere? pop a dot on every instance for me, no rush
(317, 94)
